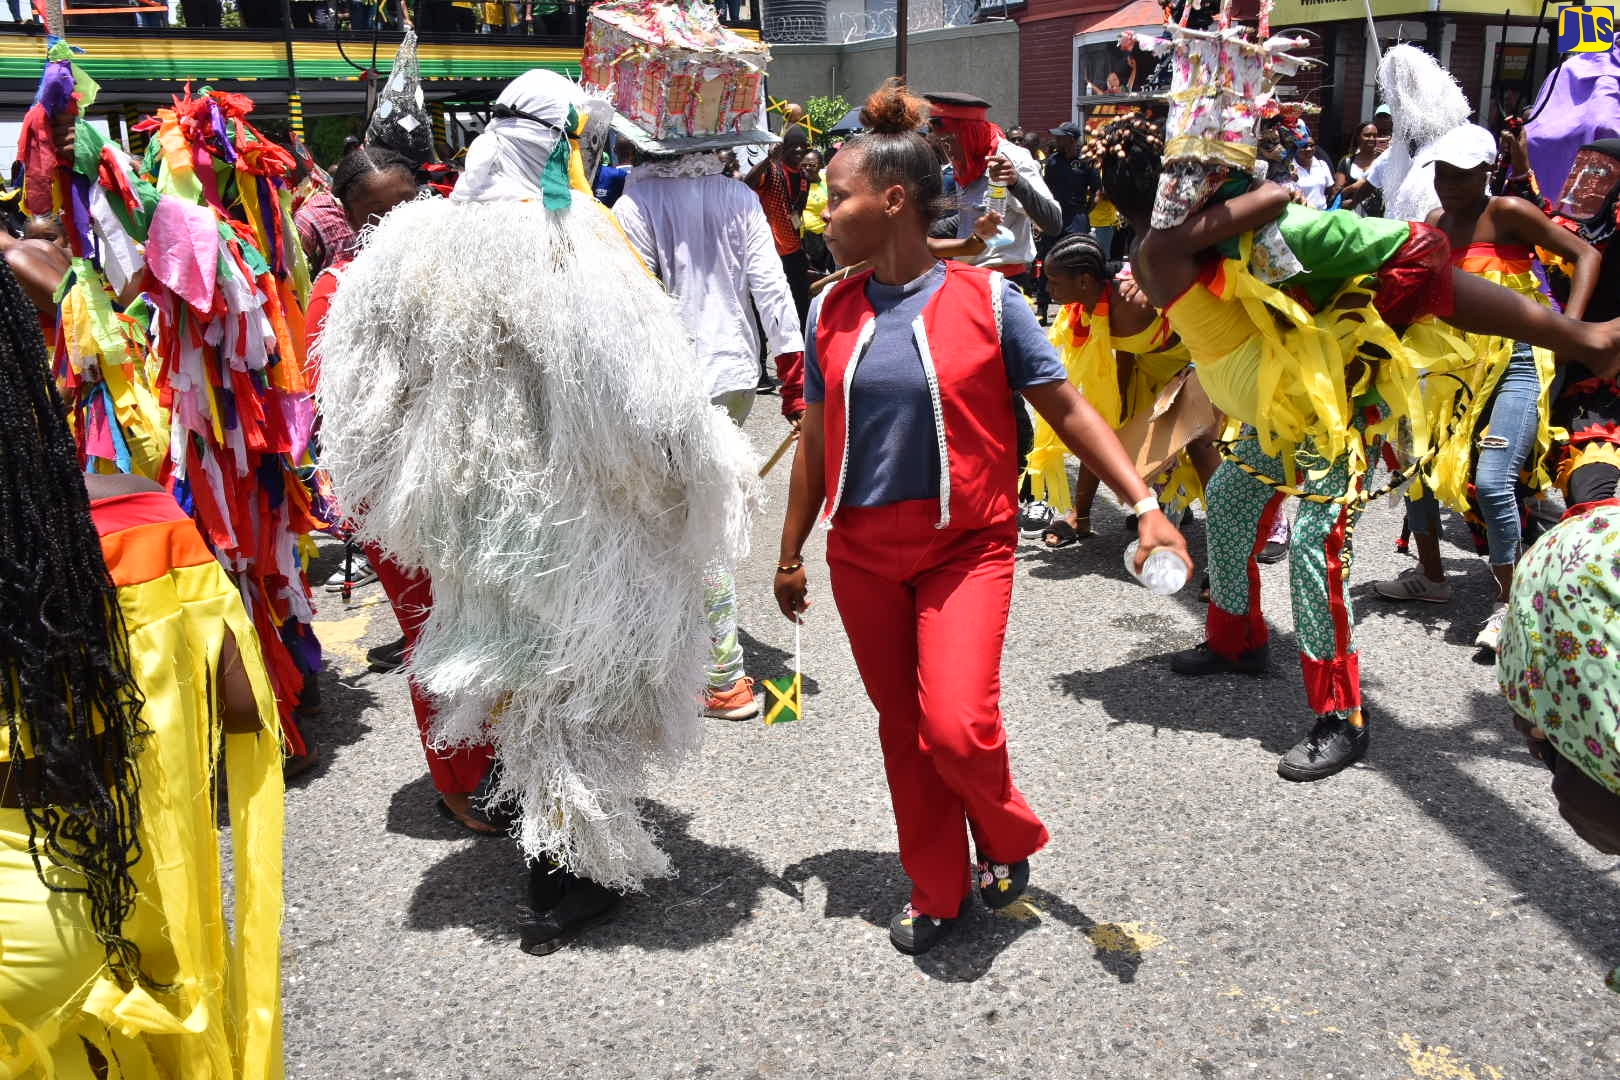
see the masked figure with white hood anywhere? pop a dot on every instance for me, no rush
(504, 384)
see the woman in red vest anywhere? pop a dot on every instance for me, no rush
(909, 453)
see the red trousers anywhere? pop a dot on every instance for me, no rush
(454, 772)
(926, 613)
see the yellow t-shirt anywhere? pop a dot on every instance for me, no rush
(1103, 214)
(815, 209)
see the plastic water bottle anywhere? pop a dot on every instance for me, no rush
(1163, 573)
(995, 200)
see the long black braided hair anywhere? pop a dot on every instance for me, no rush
(71, 709)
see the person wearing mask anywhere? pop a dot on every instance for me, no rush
(815, 216)
(706, 238)
(1235, 328)
(908, 451)
(130, 673)
(1496, 238)
(553, 466)
(982, 156)
(1312, 176)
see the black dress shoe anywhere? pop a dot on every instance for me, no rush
(1203, 660)
(1332, 746)
(914, 933)
(582, 904)
(386, 658)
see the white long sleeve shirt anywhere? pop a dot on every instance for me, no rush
(707, 240)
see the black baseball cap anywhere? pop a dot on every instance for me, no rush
(1069, 128)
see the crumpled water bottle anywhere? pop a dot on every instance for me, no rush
(1163, 573)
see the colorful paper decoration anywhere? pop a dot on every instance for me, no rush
(672, 70)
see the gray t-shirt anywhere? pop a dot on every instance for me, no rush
(893, 452)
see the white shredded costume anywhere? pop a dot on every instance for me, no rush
(508, 404)
(1425, 102)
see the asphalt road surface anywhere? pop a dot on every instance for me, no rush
(1424, 916)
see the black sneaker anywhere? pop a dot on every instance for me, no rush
(914, 933)
(1333, 745)
(1203, 660)
(1034, 519)
(576, 905)
(386, 658)
(1000, 883)
(1274, 551)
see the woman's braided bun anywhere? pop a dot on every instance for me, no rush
(893, 110)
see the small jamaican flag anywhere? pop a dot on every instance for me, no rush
(784, 697)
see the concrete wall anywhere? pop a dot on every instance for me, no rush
(980, 60)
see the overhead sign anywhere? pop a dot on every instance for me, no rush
(1303, 12)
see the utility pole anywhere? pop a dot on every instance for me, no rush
(902, 27)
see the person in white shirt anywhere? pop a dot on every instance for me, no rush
(705, 237)
(1312, 176)
(981, 155)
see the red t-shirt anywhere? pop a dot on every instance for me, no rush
(782, 192)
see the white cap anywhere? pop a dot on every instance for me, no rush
(1465, 147)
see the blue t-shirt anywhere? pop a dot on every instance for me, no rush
(610, 183)
(893, 452)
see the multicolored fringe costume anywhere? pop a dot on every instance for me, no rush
(181, 342)
(1089, 351)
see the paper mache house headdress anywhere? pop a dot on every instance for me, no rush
(1222, 83)
(679, 81)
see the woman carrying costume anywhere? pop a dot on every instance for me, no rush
(127, 661)
(1319, 422)
(1495, 238)
(908, 453)
(1121, 355)
(367, 184)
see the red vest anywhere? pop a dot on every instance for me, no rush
(959, 339)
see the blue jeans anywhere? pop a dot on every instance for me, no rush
(1105, 238)
(1502, 454)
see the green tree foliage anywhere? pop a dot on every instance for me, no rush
(824, 113)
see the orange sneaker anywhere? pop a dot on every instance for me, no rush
(736, 703)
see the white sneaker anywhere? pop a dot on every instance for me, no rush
(1491, 632)
(1412, 585)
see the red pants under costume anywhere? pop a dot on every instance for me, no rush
(457, 771)
(926, 613)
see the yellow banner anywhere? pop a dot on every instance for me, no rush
(1302, 12)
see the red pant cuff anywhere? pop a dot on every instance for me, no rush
(1332, 685)
(1230, 635)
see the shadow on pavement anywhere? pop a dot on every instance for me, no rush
(870, 886)
(413, 811)
(716, 889)
(1269, 709)
(1426, 764)
(769, 662)
(337, 723)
